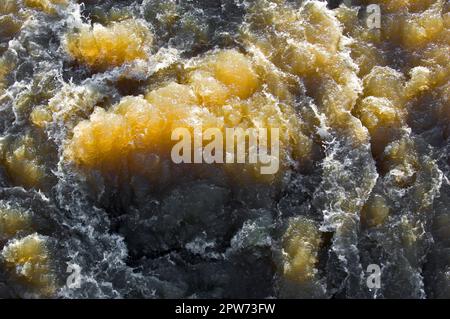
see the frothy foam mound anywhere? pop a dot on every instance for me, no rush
(29, 260)
(13, 221)
(24, 160)
(301, 243)
(102, 47)
(48, 6)
(221, 91)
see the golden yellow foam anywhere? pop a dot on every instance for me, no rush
(307, 43)
(12, 221)
(401, 158)
(301, 243)
(421, 28)
(212, 97)
(48, 6)
(28, 258)
(375, 211)
(103, 47)
(24, 158)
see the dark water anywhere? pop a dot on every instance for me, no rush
(206, 237)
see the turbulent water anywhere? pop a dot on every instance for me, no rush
(92, 206)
